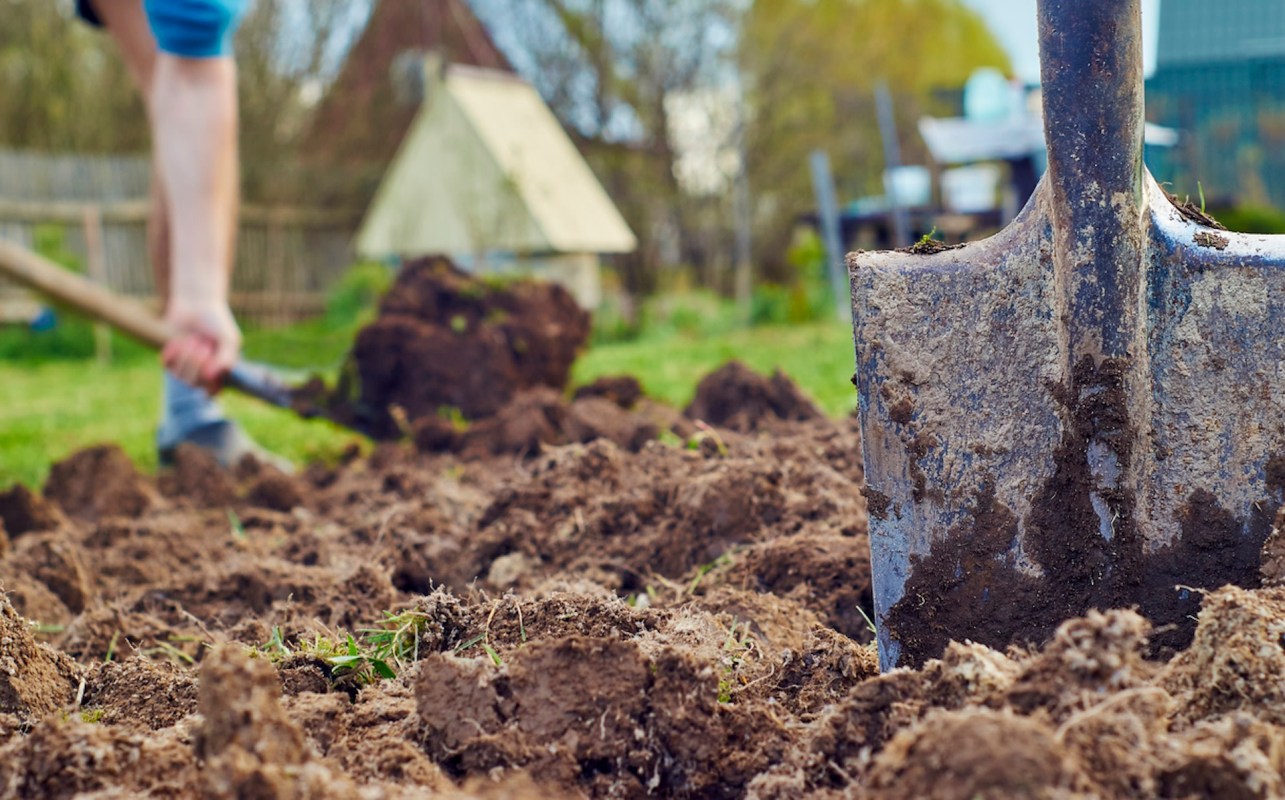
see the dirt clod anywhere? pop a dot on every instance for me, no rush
(35, 680)
(740, 399)
(98, 482)
(444, 340)
(23, 511)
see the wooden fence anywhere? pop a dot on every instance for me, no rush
(90, 208)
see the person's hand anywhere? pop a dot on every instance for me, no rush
(207, 342)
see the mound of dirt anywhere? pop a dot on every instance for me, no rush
(736, 397)
(977, 753)
(444, 340)
(98, 482)
(23, 511)
(35, 680)
(623, 390)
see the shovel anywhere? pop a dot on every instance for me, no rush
(1086, 410)
(137, 321)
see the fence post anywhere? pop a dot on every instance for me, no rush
(96, 269)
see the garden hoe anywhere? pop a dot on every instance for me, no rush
(137, 321)
(1086, 410)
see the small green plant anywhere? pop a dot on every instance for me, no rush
(111, 648)
(870, 624)
(167, 650)
(735, 649)
(93, 716)
(238, 529)
(724, 560)
(452, 414)
(376, 653)
(706, 433)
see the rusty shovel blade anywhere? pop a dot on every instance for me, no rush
(1086, 410)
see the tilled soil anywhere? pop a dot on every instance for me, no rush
(679, 621)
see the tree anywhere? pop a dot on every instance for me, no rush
(810, 69)
(62, 87)
(65, 90)
(610, 69)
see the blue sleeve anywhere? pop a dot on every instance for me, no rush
(194, 28)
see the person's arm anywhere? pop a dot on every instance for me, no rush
(194, 118)
(179, 55)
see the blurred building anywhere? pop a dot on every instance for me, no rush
(1220, 80)
(487, 175)
(366, 112)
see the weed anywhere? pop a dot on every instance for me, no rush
(167, 650)
(670, 439)
(724, 560)
(402, 420)
(735, 648)
(376, 653)
(706, 433)
(495, 657)
(238, 529)
(452, 414)
(111, 648)
(870, 624)
(92, 717)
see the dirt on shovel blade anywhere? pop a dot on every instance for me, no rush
(675, 615)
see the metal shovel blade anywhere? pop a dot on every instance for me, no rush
(1084, 411)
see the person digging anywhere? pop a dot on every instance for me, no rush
(178, 53)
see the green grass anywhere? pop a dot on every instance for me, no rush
(50, 410)
(818, 356)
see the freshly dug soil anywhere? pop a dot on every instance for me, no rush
(736, 397)
(605, 617)
(594, 623)
(444, 341)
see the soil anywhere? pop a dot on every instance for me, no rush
(670, 622)
(599, 615)
(445, 342)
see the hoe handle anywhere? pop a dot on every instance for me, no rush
(126, 315)
(1092, 78)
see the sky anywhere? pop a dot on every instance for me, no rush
(1013, 23)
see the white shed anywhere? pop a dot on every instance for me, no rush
(487, 175)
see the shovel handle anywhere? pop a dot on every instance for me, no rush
(128, 316)
(1091, 74)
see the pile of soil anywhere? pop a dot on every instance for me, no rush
(593, 622)
(466, 366)
(447, 342)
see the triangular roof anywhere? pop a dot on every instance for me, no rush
(486, 167)
(361, 120)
